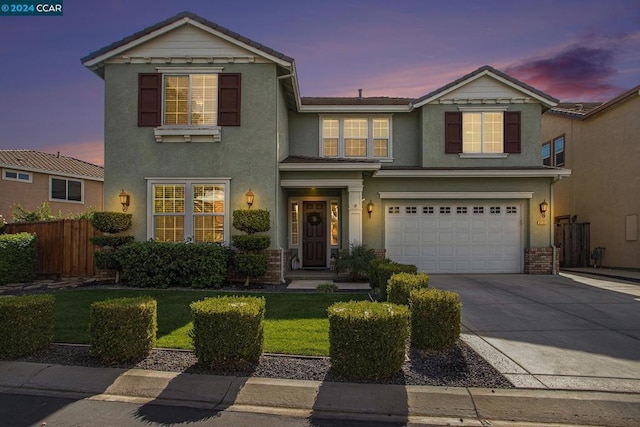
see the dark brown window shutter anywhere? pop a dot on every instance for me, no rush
(453, 132)
(149, 99)
(229, 99)
(512, 132)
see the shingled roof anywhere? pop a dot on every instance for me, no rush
(36, 161)
(585, 110)
(380, 100)
(267, 50)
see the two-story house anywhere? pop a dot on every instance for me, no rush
(30, 178)
(599, 142)
(197, 115)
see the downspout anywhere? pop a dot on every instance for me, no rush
(552, 235)
(277, 174)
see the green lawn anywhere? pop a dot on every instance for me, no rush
(295, 323)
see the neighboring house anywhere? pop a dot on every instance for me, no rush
(600, 143)
(197, 115)
(30, 178)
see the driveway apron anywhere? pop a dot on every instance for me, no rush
(562, 332)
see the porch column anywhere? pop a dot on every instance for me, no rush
(355, 214)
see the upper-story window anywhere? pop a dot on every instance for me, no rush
(482, 132)
(190, 99)
(477, 131)
(188, 104)
(12, 175)
(63, 189)
(555, 146)
(356, 137)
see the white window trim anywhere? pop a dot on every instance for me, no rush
(81, 181)
(186, 133)
(370, 139)
(17, 172)
(188, 211)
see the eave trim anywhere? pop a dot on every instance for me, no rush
(473, 173)
(480, 195)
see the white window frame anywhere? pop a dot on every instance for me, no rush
(188, 213)
(18, 173)
(187, 133)
(370, 138)
(482, 110)
(66, 179)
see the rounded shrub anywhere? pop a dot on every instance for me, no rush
(26, 325)
(250, 242)
(251, 221)
(366, 339)
(111, 222)
(18, 258)
(122, 329)
(228, 331)
(436, 318)
(400, 286)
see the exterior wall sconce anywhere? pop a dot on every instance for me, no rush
(544, 206)
(124, 200)
(370, 206)
(250, 196)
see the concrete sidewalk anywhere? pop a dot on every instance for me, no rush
(313, 399)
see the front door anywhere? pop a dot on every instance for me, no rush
(314, 240)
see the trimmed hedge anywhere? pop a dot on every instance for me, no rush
(400, 286)
(367, 340)
(26, 325)
(374, 267)
(384, 271)
(228, 331)
(122, 329)
(112, 241)
(250, 242)
(436, 318)
(251, 221)
(18, 258)
(253, 265)
(111, 222)
(163, 264)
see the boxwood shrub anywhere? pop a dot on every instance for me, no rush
(111, 241)
(436, 318)
(111, 222)
(18, 258)
(250, 242)
(26, 325)
(366, 339)
(384, 273)
(164, 264)
(122, 329)
(228, 331)
(400, 286)
(251, 221)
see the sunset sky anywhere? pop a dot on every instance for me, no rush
(574, 50)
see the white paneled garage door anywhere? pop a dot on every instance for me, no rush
(455, 237)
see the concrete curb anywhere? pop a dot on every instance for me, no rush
(435, 405)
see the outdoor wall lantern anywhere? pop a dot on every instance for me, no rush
(124, 200)
(250, 196)
(544, 206)
(370, 206)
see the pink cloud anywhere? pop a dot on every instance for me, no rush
(89, 151)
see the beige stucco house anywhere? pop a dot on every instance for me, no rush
(30, 178)
(600, 143)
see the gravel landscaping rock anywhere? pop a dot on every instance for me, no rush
(458, 366)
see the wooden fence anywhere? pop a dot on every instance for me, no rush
(64, 249)
(573, 243)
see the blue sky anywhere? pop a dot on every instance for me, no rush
(574, 50)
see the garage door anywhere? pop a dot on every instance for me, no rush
(454, 237)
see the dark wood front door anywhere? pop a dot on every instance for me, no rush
(314, 240)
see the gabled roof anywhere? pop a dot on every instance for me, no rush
(94, 59)
(487, 70)
(379, 100)
(36, 161)
(586, 110)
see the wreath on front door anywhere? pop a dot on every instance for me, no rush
(314, 218)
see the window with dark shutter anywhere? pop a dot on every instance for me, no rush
(453, 132)
(229, 99)
(512, 132)
(149, 99)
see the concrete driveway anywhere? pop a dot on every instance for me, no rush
(561, 332)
